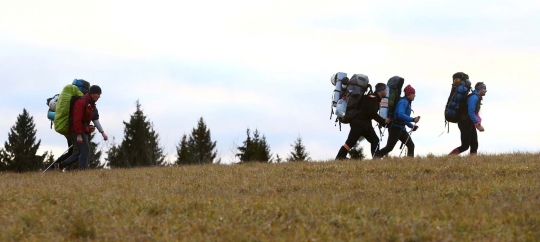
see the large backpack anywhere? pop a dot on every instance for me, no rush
(351, 93)
(60, 104)
(456, 104)
(395, 84)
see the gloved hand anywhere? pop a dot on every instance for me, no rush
(415, 128)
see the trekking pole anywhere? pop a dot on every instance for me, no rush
(407, 140)
(382, 135)
(65, 152)
(404, 144)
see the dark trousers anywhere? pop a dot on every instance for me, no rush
(469, 137)
(80, 152)
(70, 150)
(359, 128)
(395, 134)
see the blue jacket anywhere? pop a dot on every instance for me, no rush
(473, 106)
(402, 114)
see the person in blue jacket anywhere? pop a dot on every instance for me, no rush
(402, 117)
(470, 122)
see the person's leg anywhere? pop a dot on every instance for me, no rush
(393, 136)
(354, 135)
(464, 129)
(371, 137)
(70, 150)
(407, 140)
(474, 141)
(74, 156)
(84, 150)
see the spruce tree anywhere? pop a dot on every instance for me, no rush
(19, 152)
(183, 153)
(254, 149)
(199, 148)
(140, 146)
(299, 152)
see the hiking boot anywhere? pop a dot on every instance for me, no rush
(455, 152)
(472, 154)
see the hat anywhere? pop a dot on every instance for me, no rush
(95, 89)
(409, 90)
(380, 87)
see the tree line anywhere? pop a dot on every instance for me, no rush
(140, 147)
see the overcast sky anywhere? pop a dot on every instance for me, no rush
(266, 65)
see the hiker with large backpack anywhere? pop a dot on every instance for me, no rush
(80, 115)
(401, 118)
(365, 110)
(59, 111)
(470, 121)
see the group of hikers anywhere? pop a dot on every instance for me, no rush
(462, 108)
(74, 109)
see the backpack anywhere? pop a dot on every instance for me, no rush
(394, 85)
(456, 104)
(60, 104)
(351, 93)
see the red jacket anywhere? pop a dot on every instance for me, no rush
(81, 114)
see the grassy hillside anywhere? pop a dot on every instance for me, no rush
(494, 198)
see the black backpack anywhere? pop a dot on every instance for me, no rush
(395, 84)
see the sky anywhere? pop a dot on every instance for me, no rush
(266, 65)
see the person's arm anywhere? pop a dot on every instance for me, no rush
(400, 109)
(471, 108)
(77, 112)
(98, 124)
(372, 110)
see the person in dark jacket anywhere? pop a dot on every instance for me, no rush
(361, 123)
(470, 122)
(82, 112)
(402, 117)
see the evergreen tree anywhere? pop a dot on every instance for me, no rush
(357, 152)
(19, 152)
(49, 159)
(299, 152)
(183, 153)
(199, 148)
(94, 161)
(254, 149)
(140, 145)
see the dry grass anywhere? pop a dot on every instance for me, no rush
(484, 198)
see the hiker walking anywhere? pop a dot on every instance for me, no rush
(361, 123)
(471, 121)
(82, 112)
(402, 117)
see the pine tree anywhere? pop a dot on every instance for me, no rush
(94, 161)
(299, 152)
(357, 152)
(19, 152)
(278, 159)
(140, 145)
(254, 149)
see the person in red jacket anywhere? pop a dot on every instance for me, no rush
(82, 112)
